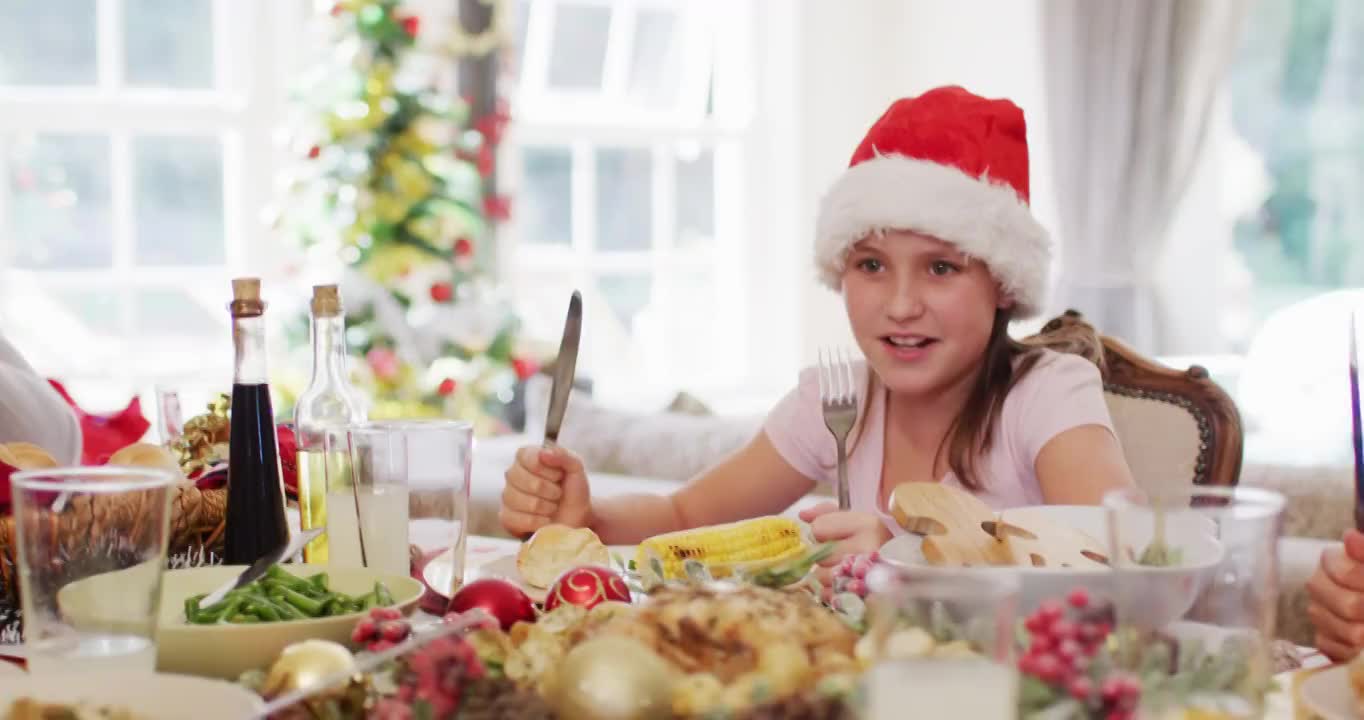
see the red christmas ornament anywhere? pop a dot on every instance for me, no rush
(410, 25)
(524, 367)
(313, 152)
(587, 586)
(464, 247)
(498, 598)
(287, 443)
(443, 292)
(446, 387)
(383, 362)
(497, 207)
(492, 125)
(338, 8)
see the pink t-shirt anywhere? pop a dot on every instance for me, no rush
(1061, 392)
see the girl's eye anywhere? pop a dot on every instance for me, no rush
(942, 267)
(869, 264)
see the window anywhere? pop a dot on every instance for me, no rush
(1297, 99)
(627, 160)
(132, 146)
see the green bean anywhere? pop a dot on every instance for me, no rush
(282, 596)
(383, 596)
(310, 606)
(263, 610)
(293, 582)
(286, 611)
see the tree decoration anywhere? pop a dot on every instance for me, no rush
(393, 189)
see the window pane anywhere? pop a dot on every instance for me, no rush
(169, 43)
(624, 198)
(578, 50)
(47, 42)
(695, 195)
(545, 203)
(178, 200)
(626, 294)
(656, 66)
(166, 311)
(98, 310)
(59, 200)
(1297, 104)
(522, 20)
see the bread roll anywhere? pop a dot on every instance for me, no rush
(556, 548)
(145, 455)
(26, 456)
(1356, 675)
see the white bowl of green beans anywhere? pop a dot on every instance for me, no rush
(249, 627)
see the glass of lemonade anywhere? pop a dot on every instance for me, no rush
(407, 486)
(940, 643)
(91, 552)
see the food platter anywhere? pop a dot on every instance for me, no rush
(143, 696)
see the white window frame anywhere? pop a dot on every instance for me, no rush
(241, 109)
(582, 122)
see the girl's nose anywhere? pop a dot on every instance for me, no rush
(905, 302)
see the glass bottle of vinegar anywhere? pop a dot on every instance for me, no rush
(328, 405)
(255, 522)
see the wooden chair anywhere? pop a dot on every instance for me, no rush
(1175, 426)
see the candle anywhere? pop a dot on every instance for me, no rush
(973, 688)
(1358, 434)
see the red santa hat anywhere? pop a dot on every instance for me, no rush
(949, 164)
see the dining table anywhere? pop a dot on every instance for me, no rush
(485, 552)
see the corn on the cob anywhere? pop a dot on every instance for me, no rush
(751, 544)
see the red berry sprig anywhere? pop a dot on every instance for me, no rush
(850, 576)
(1062, 651)
(381, 629)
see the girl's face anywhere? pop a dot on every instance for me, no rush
(921, 311)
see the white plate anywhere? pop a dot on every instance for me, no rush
(149, 696)
(439, 573)
(1166, 593)
(1328, 694)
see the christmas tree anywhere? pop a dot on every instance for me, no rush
(392, 186)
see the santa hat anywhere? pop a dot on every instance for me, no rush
(949, 164)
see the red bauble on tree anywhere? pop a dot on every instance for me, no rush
(410, 25)
(499, 598)
(523, 367)
(587, 586)
(447, 387)
(464, 247)
(442, 292)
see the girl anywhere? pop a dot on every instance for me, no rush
(929, 237)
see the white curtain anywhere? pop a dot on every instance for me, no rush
(1130, 88)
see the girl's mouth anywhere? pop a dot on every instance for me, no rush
(908, 347)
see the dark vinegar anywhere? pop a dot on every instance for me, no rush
(255, 492)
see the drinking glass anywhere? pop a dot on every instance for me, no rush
(1196, 589)
(942, 644)
(91, 550)
(410, 492)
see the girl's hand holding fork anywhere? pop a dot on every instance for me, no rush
(854, 532)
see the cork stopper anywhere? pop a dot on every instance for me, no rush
(246, 300)
(326, 301)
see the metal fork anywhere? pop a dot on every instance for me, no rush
(838, 397)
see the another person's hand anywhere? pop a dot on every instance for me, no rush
(544, 486)
(855, 533)
(1336, 599)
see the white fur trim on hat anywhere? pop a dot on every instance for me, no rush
(984, 220)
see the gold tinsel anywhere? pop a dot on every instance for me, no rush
(203, 443)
